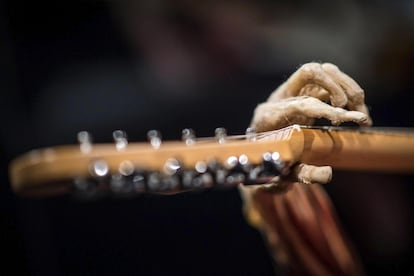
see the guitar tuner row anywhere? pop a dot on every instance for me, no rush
(174, 177)
(155, 138)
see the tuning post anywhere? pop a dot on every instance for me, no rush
(91, 187)
(126, 168)
(85, 188)
(85, 141)
(99, 168)
(139, 182)
(272, 164)
(221, 135)
(154, 182)
(188, 136)
(154, 137)
(172, 166)
(237, 168)
(251, 134)
(232, 162)
(201, 177)
(243, 160)
(120, 139)
(159, 183)
(279, 163)
(121, 185)
(201, 167)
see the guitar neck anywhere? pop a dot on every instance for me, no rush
(237, 159)
(363, 149)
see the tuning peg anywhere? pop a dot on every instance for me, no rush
(251, 134)
(139, 182)
(126, 168)
(270, 167)
(96, 184)
(272, 163)
(221, 135)
(231, 162)
(240, 163)
(238, 168)
(99, 168)
(121, 185)
(85, 141)
(120, 139)
(172, 166)
(160, 183)
(188, 136)
(201, 177)
(218, 170)
(154, 137)
(85, 188)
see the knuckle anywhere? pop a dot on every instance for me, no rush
(358, 97)
(310, 71)
(330, 67)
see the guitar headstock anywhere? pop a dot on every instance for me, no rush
(157, 166)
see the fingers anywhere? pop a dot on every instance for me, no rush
(313, 90)
(308, 174)
(302, 110)
(315, 108)
(324, 81)
(276, 115)
(311, 73)
(354, 92)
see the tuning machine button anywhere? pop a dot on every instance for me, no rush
(120, 139)
(188, 136)
(99, 168)
(154, 137)
(94, 185)
(161, 183)
(201, 177)
(139, 182)
(165, 181)
(221, 135)
(121, 185)
(251, 134)
(171, 166)
(218, 171)
(271, 166)
(172, 174)
(85, 141)
(237, 169)
(85, 188)
(126, 168)
(228, 173)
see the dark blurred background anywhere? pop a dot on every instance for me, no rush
(67, 66)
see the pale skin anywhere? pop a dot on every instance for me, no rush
(313, 91)
(277, 210)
